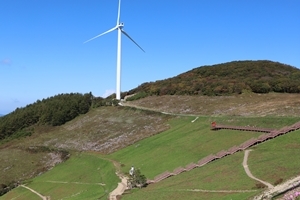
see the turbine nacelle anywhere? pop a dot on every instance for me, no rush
(121, 24)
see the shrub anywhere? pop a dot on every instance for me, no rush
(278, 181)
(260, 186)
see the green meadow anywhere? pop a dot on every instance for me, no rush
(277, 159)
(220, 179)
(83, 176)
(187, 142)
(270, 161)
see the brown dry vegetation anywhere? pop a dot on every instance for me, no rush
(249, 104)
(105, 129)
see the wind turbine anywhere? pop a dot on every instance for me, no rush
(118, 27)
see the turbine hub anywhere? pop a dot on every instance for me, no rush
(121, 24)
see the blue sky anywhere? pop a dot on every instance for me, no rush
(42, 52)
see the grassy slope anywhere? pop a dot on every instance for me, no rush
(100, 130)
(269, 161)
(15, 167)
(77, 178)
(225, 174)
(187, 142)
(20, 193)
(277, 159)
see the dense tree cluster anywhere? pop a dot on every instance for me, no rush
(228, 78)
(53, 111)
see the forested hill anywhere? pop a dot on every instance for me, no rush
(53, 111)
(228, 78)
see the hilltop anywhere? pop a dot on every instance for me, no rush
(228, 78)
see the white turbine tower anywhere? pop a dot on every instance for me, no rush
(118, 27)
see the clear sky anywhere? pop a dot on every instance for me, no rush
(42, 52)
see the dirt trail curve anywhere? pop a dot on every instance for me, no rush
(250, 174)
(35, 192)
(122, 186)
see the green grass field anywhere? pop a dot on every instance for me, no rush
(89, 132)
(277, 159)
(20, 193)
(188, 142)
(223, 179)
(83, 176)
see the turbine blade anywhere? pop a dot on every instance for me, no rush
(110, 30)
(132, 40)
(119, 12)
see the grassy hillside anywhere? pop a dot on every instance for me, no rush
(83, 176)
(104, 129)
(274, 161)
(184, 142)
(228, 78)
(277, 159)
(107, 129)
(188, 142)
(207, 182)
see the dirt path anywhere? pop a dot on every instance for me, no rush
(122, 186)
(35, 192)
(250, 174)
